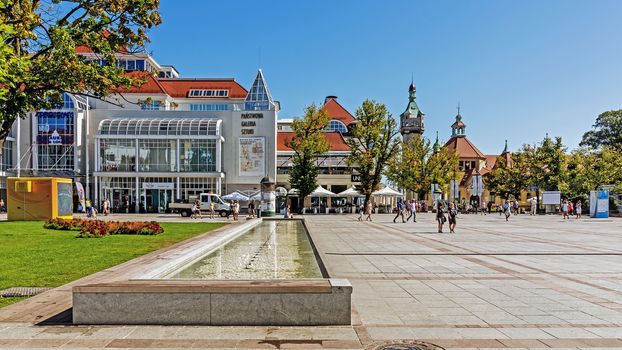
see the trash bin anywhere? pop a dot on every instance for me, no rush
(327, 210)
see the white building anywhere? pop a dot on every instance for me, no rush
(171, 138)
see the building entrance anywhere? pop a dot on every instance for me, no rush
(157, 200)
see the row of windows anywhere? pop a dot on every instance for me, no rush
(157, 155)
(209, 107)
(208, 93)
(336, 125)
(6, 162)
(56, 157)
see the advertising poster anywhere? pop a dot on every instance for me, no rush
(65, 199)
(252, 156)
(81, 198)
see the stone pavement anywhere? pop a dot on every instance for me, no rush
(535, 282)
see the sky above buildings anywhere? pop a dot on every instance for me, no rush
(519, 69)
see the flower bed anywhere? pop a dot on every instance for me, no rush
(98, 228)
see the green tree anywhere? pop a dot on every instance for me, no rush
(607, 131)
(38, 58)
(308, 143)
(418, 165)
(373, 144)
(546, 165)
(507, 178)
(588, 170)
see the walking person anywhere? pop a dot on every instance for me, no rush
(236, 210)
(105, 207)
(413, 211)
(515, 207)
(2, 206)
(506, 210)
(251, 209)
(368, 211)
(577, 209)
(533, 203)
(440, 216)
(211, 210)
(565, 208)
(452, 213)
(400, 211)
(361, 209)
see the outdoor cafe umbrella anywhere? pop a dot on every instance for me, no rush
(387, 192)
(235, 196)
(350, 192)
(321, 192)
(256, 196)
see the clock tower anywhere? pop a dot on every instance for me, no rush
(411, 121)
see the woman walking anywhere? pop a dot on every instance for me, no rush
(506, 210)
(196, 210)
(236, 210)
(451, 215)
(368, 211)
(565, 208)
(440, 216)
(577, 209)
(361, 211)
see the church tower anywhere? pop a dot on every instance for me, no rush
(411, 121)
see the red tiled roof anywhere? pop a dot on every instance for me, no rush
(458, 124)
(464, 148)
(491, 159)
(151, 85)
(179, 87)
(336, 111)
(335, 140)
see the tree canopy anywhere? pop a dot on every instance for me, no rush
(607, 131)
(38, 58)
(373, 144)
(308, 143)
(418, 165)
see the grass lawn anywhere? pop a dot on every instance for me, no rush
(31, 256)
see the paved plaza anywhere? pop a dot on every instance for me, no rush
(534, 282)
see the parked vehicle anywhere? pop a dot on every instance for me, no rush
(220, 206)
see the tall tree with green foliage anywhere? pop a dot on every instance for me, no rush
(38, 58)
(607, 131)
(308, 143)
(507, 178)
(373, 144)
(418, 165)
(588, 170)
(547, 165)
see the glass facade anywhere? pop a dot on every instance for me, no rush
(197, 155)
(6, 162)
(55, 138)
(157, 155)
(117, 155)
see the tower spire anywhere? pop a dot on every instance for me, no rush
(505, 149)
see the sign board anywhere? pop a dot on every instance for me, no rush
(158, 186)
(355, 178)
(454, 188)
(252, 156)
(477, 185)
(551, 197)
(599, 204)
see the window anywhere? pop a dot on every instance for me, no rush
(6, 162)
(197, 155)
(153, 106)
(208, 93)
(336, 125)
(209, 107)
(55, 138)
(117, 155)
(157, 155)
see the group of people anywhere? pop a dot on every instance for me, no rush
(568, 208)
(409, 207)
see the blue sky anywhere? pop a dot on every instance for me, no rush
(520, 69)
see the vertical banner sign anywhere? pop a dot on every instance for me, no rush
(454, 189)
(477, 185)
(81, 195)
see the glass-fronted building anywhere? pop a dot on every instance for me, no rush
(173, 138)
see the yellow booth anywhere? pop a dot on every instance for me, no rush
(39, 198)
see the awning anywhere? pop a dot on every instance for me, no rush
(321, 192)
(387, 192)
(350, 192)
